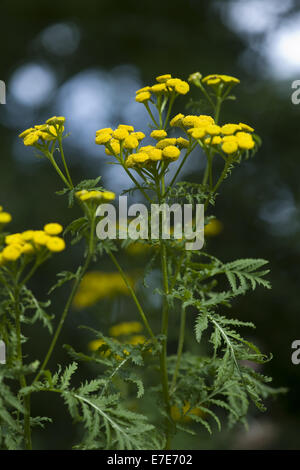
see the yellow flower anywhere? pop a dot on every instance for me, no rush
(108, 195)
(11, 253)
(41, 238)
(105, 130)
(158, 134)
(26, 132)
(131, 142)
(182, 87)
(245, 127)
(171, 152)
(53, 229)
(27, 248)
(56, 244)
(213, 129)
(140, 157)
(155, 154)
(177, 120)
(102, 138)
(143, 97)
(27, 235)
(182, 143)
(197, 132)
(5, 218)
(165, 142)
(113, 148)
(230, 128)
(216, 79)
(125, 328)
(56, 120)
(159, 88)
(142, 90)
(120, 134)
(215, 140)
(13, 238)
(126, 127)
(213, 228)
(138, 135)
(31, 138)
(245, 141)
(229, 147)
(163, 78)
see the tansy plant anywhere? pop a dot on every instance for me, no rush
(192, 390)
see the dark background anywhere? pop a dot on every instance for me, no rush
(85, 60)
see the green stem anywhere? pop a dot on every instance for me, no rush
(27, 430)
(223, 175)
(70, 299)
(169, 110)
(58, 170)
(179, 168)
(179, 348)
(150, 114)
(137, 184)
(64, 161)
(133, 295)
(163, 354)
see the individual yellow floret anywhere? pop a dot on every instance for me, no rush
(11, 253)
(56, 244)
(245, 127)
(31, 138)
(13, 238)
(182, 143)
(159, 88)
(163, 78)
(108, 196)
(126, 127)
(177, 120)
(138, 135)
(5, 218)
(229, 147)
(120, 134)
(143, 97)
(26, 132)
(40, 238)
(155, 154)
(165, 142)
(182, 87)
(197, 132)
(215, 140)
(142, 90)
(102, 138)
(140, 157)
(131, 142)
(56, 120)
(171, 152)
(228, 129)
(113, 147)
(53, 229)
(245, 141)
(158, 134)
(213, 129)
(105, 130)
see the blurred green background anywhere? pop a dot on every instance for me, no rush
(84, 60)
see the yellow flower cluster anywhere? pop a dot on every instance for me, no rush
(31, 242)
(84, 195)
(216, 79)
(5, 217)
(183, 415)
(123, 136)
(166, 85)
(230, 137)
(44, 132)
(97, 285)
